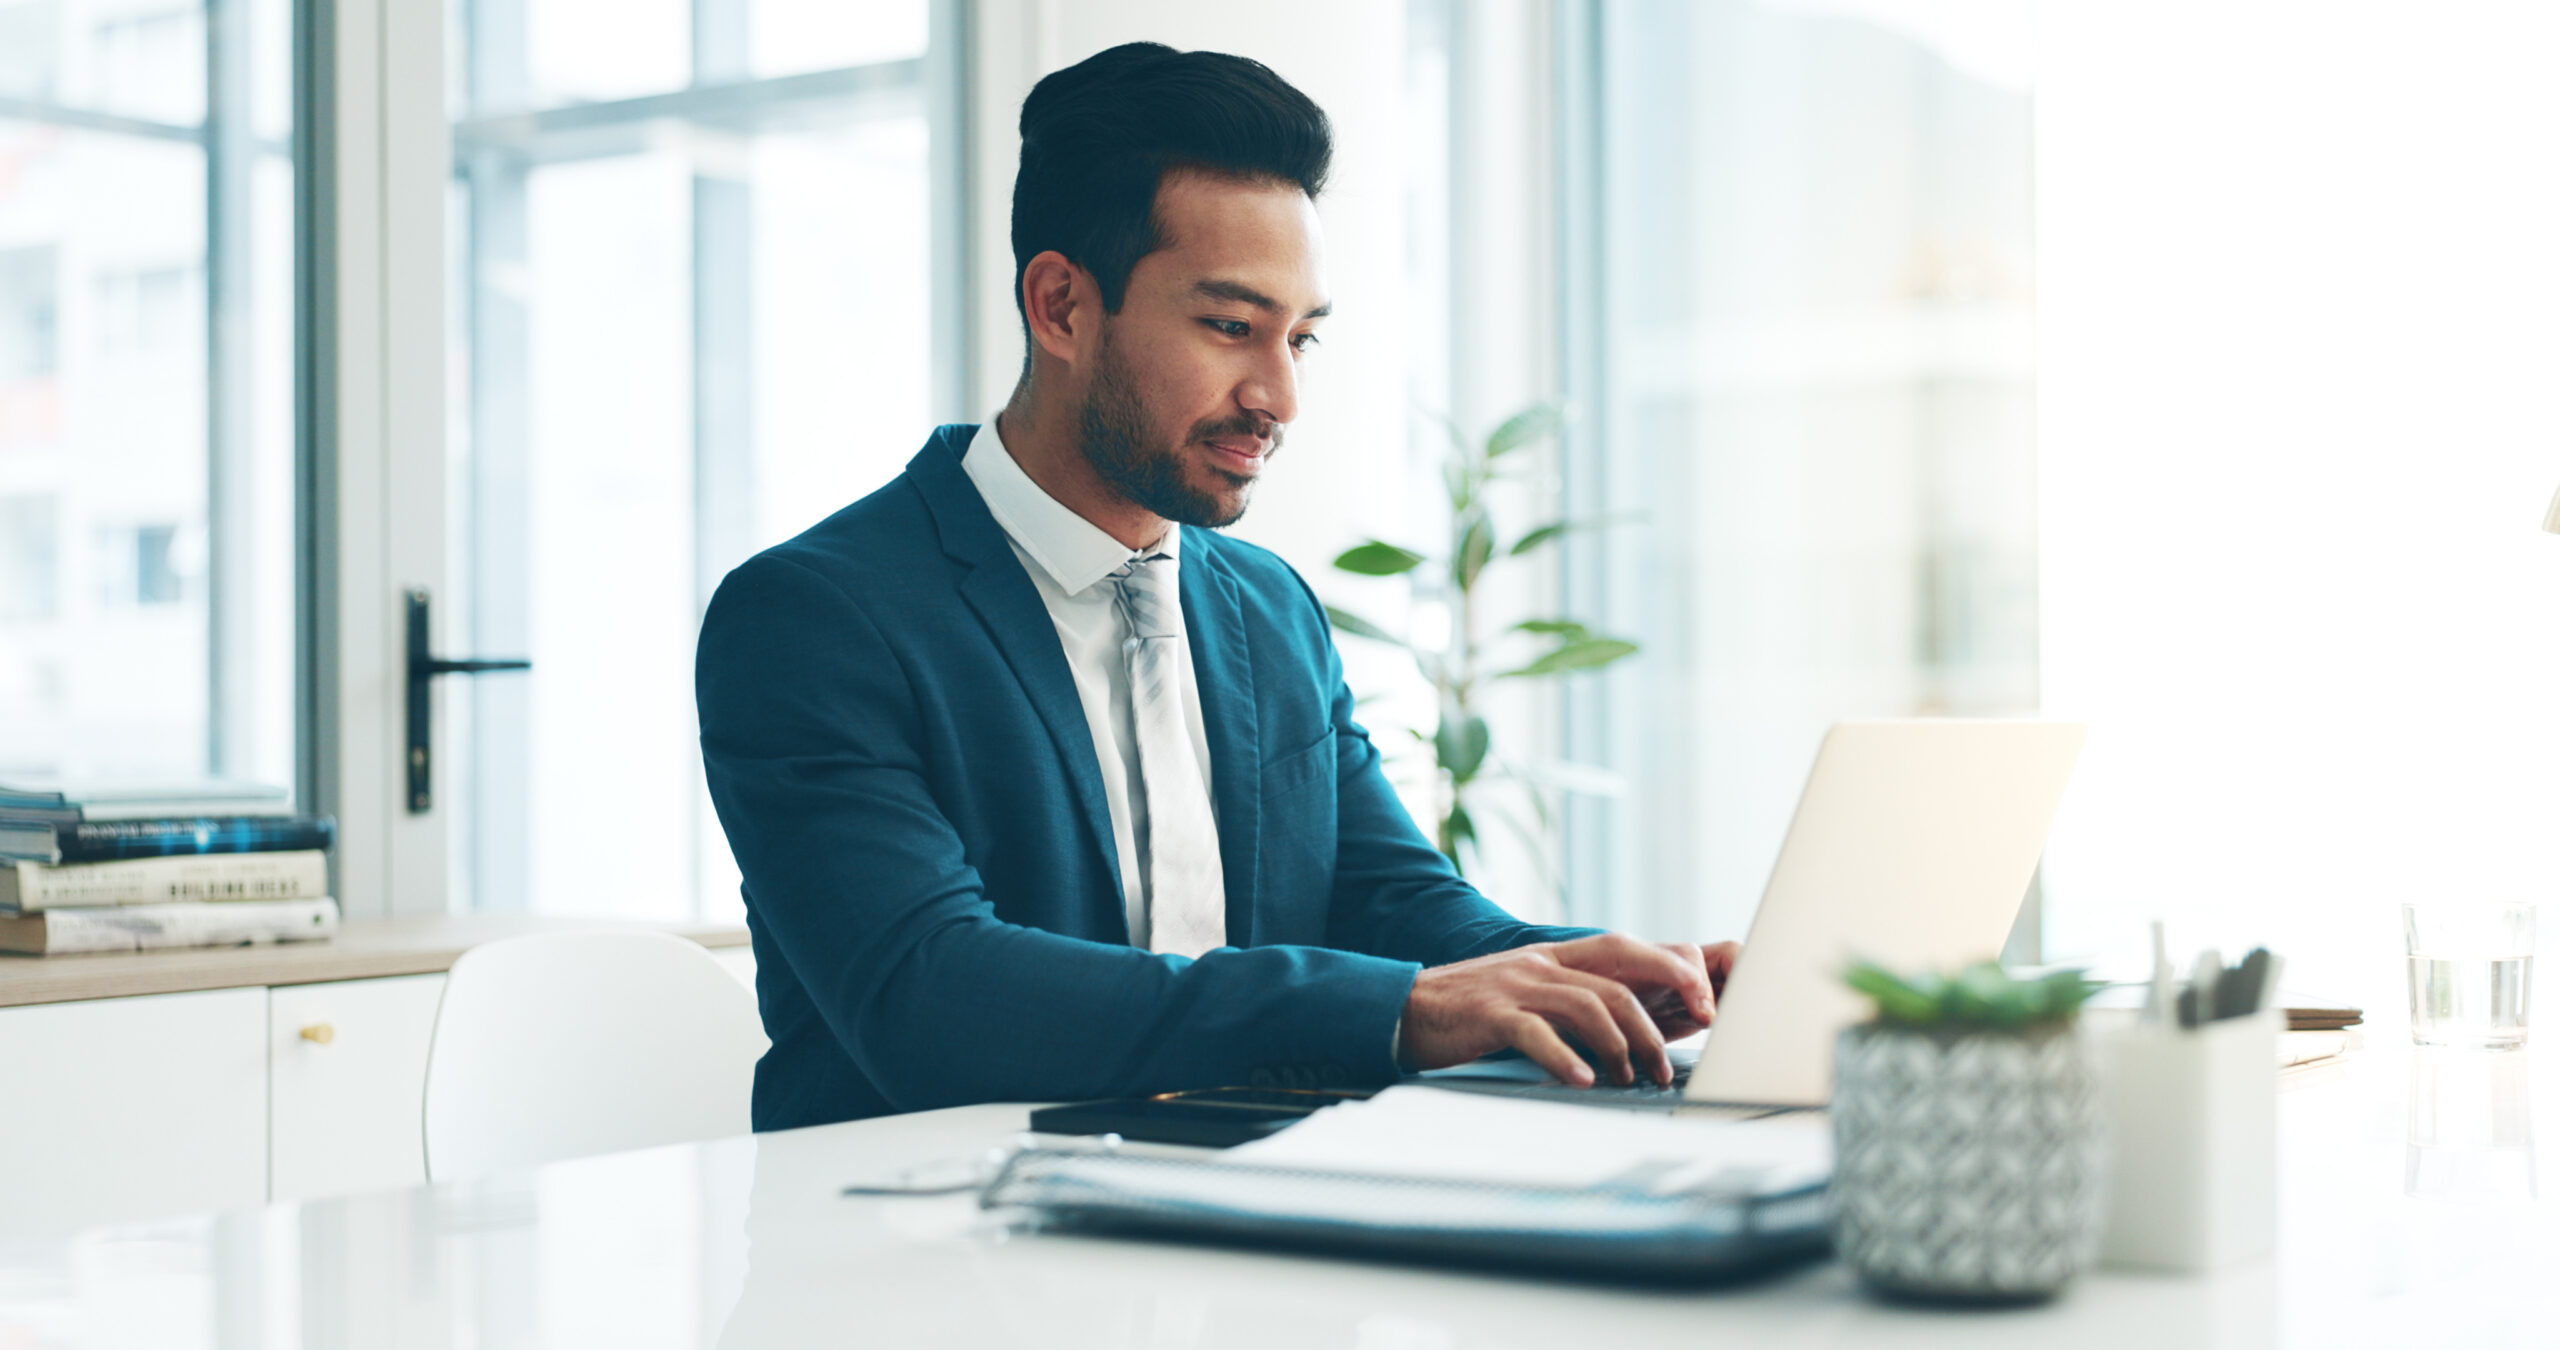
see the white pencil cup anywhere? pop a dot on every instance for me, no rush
(2191, 1126)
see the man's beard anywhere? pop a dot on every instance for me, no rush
(1119, 443)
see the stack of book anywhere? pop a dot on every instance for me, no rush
(120, 869)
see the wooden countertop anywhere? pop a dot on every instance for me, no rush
(363, 949)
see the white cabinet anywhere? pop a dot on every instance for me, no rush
(120, 1108)
(347, 1067)
(124, 1108)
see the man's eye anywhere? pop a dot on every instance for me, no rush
(1234, 328)
(1304, 342)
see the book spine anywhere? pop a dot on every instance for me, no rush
(108, 841)
(169, 810)
(123, 928)
(27, 887)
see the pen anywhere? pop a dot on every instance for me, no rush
(2201, 982)
(2244, 989)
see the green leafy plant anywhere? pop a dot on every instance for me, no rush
(1979, 997)
(1460, 666)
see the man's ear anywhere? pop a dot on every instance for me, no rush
(1062, 305)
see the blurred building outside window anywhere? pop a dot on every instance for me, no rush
(146, 390)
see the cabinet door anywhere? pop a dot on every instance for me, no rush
(130, 1108)
(348, 1077)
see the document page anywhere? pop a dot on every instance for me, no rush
(1425, 1132)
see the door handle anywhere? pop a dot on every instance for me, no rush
(424, 667)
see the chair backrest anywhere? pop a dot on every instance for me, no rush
(557, 1045)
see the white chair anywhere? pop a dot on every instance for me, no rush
(559, 1045)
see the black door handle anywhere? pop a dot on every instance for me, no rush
(424, 667)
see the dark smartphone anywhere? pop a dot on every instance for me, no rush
(1208, 1117)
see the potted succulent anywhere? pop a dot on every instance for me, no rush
(1964, 1123)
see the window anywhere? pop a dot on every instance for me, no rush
(141, 566)
(27, 315)
(690, 321)
(146, 390)
(1805, 236)
(27, 564)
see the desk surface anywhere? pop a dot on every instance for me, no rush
(2408, 1219)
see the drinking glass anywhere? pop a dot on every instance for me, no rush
(2470, 1127)
(2470, 973)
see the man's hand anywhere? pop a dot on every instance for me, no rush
(1671, 1013)
(1621, 998)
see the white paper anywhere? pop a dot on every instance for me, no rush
(1417, 1131)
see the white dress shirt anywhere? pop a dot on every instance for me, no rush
(1070, 560)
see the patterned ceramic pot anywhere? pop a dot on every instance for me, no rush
(1967, 1163)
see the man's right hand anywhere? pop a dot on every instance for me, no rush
(1530, 998)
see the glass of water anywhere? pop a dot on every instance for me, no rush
(2470, 973)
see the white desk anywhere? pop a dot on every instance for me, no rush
(745, 1243)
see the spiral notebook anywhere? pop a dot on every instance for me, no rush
(1421, 1174)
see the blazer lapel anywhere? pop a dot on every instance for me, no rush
(1009, 606)
(1222, 660)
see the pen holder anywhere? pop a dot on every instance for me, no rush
(2191, 1120)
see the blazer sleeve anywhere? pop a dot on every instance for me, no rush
(817, 762)
(1394, 893)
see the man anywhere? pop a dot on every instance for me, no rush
(1041, 789)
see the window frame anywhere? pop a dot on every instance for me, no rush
(370, 346)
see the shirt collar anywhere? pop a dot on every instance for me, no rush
(1075, 552)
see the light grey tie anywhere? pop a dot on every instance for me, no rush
(1178, 839)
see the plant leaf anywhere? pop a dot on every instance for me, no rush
(1475, 549)
(1458, 828)
(1461, 743)
(1344, 621)
(1554, 528)
(1982, 995)
(2065, 990)
(1539, 536)
(1378, 559)
(1457, 482)
(1522, 430)
(1563, 628)
(1583, 655)
(1895, 1000)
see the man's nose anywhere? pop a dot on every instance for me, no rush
(1271, 391)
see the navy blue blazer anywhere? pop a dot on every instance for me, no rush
(897, 753)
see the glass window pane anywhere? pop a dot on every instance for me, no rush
(1816, 254)
(686, 338)
(786, 37)
(146, 391)
(581, 51)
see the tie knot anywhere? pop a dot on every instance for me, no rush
(1149, 592)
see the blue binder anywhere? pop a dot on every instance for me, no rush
(1715, 1231)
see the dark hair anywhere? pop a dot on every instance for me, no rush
(1099, 136)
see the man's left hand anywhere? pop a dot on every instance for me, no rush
(1672, 1013)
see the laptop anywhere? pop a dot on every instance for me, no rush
(1912, 846)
